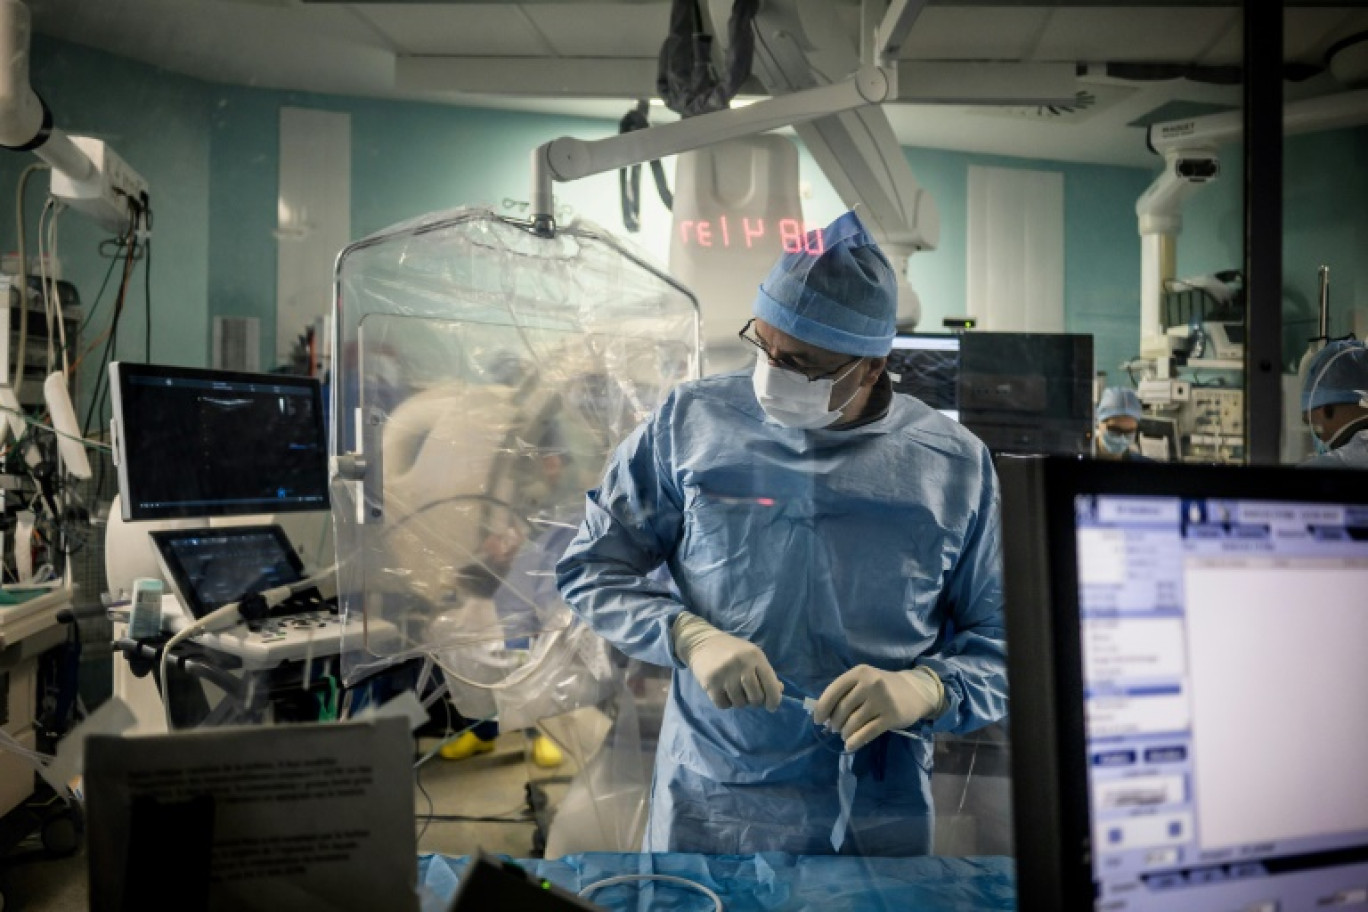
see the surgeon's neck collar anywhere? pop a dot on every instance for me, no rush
(875, 407)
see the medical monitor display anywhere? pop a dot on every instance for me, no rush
(1208, 780)
(1028, 392)
(212, 567)
(191, 442)
(927, 366)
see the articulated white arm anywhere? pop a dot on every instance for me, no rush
(568, 159)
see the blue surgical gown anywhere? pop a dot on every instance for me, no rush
(1353, 454)
(877, 545)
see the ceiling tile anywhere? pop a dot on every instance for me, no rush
(973, 33)
(602, 29)
(460, 29)
(1132, 34)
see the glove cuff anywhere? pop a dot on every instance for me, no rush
(688, 633)
(928, 684)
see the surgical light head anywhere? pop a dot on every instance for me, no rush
(1337, 375)
(836, 291)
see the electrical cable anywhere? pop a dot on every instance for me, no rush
(43, 277)
(52, 300)
(665, 878)
(110, 336)
(84, 441)
(147, 289)
(99, 295)
(247, 606)
(427, 819)
(24, 176)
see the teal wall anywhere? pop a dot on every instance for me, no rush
(210, 153)
(158, 123)
(407, 158)
(1101, 244)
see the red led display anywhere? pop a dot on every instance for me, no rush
(794, 236)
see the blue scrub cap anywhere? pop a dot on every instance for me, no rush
(837, 292)
(1337, 374)
(1118, 400)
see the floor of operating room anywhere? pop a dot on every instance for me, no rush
(970, 786)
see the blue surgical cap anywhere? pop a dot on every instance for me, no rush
(837, 292)
(1338, 373)
(1117, 401)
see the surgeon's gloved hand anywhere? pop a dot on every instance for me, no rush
(733, 672)
(865, 702)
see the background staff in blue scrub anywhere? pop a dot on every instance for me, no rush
(1118, 422)
(1335, 405)
(828, 539)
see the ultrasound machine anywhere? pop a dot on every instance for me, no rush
(211, 466)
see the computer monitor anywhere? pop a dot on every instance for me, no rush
(927, 366)
(1158, 439)
(1028, 392)
(190, 442)
(1189, 697)
(211, 567)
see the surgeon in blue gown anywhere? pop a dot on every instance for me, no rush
(828, 539)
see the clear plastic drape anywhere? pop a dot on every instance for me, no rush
(481, 375)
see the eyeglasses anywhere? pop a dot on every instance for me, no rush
(786, 361)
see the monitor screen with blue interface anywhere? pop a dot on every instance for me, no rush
(212, 567)
(1225, 673)
(191, 442)
(927, 366)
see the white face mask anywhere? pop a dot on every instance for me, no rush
(793, 400)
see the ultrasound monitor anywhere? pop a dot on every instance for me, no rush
(927, 366)
(192, 443)
(211, 567)
(1189, 695)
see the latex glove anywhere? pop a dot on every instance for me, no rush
(733, 672)
(865, 702)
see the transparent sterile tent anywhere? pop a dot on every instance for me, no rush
(481, 376)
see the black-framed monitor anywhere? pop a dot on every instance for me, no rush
(1189, 697)
(190, 442)
(927, 367)
(214, 566)
(1028, 392)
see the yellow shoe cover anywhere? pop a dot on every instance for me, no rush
(466, 746)
(545, 753)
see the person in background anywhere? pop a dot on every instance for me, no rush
(1334, 403)
(829, 540)
(1118, 424)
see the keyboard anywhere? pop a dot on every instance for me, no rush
(307, 634)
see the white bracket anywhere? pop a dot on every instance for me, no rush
(567, 158)
(897, 22)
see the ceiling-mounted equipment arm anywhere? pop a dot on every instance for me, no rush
(893, 29)
(1189, 148)
(25, 121)
(568, 159)
(86, 174)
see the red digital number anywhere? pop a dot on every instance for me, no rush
(757, 230)
(704, 232)
(812, 240)
(726, 239)
(791, 235)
